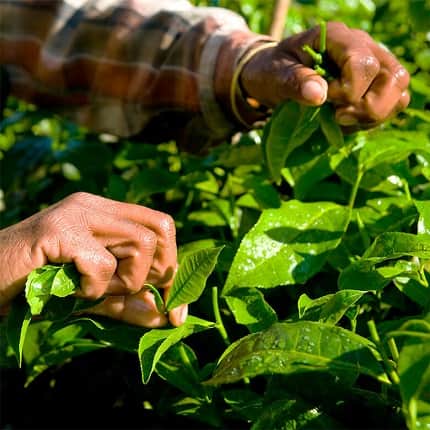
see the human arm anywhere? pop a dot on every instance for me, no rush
(128, 67)
(116, 247)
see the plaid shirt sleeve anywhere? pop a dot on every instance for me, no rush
(129, 68)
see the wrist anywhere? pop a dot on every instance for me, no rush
(16, 253)
(245, 111)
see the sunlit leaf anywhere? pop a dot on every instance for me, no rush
(291, 126)
(156, 342)
(287, 245)
(305, 346)
(190, 279)
(249, 308)
(329, 308)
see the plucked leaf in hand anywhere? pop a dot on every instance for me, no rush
(47, 281)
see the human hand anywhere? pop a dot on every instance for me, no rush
(117, 248)
(371, 85)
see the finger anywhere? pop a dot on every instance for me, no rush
(299, 83)
(134, 249)
(405, 99)
(178, 315)
(357, 62)
(165, 257)
(368, 117)
(161, 224)
(138, 309)
(97, 267)
(382, 98)
(390, 63)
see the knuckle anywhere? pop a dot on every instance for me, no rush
(105, 266)
(49, 224)
(93, 293)
(375, 114)
(148, 240)
(401, 77)
(77, 198)
(336, 26)
(370, 63)
(361, 34)
(167, 226)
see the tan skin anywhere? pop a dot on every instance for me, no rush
(118, 247)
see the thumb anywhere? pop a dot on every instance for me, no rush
(305, 86)
(312, 90)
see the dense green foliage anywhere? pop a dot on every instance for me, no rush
(316, 262)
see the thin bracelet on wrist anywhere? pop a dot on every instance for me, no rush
(235, 89)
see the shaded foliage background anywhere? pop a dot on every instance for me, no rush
(216, 199)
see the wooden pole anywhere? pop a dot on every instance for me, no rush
(279, 15)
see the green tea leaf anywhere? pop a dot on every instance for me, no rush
(18, 320)
(291, 125)
(50, 280)
(143, 184)
(368, 274)
(159, 302)
(156, 342)
(390, 146)
(249, 308)
(179, 367)
(245, 403)
(329, 308)
(190, 280)
(414, 372)
(60, 355)
(424, 216)
(305, 346)
(397, 244)
(385, 214)
(287, 414)
(330, 127)
(38, 287)
(365, 275)
(66, 281)
(415, 290)
(197, 409)
(287, 245)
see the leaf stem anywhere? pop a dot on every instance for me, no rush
(323, 36)
(219, 324)
(317, 57)
(187, 362)
(354, 190)
(389, 368)
(393, 349)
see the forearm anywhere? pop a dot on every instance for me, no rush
(116, 69)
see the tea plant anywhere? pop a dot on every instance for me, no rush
(311, 269)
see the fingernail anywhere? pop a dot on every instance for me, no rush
(183, 315)
(313, 92)
(347, 120)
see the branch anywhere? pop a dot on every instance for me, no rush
(280, 12)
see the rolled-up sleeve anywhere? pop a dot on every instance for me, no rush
(122, 67)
